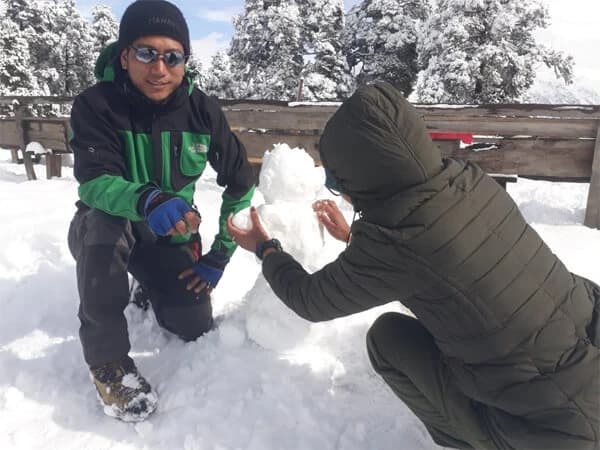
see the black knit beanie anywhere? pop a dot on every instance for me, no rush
(153, 17)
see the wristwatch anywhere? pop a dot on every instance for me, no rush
(262, 246)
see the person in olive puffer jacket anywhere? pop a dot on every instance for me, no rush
(142, 136)
(503, 351)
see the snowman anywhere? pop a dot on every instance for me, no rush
(290, 184)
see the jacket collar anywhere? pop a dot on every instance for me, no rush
(139, 101)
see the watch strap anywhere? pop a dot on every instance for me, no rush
(270, 243)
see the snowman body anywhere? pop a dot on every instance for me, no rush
(289, 183)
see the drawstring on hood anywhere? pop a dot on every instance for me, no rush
(352, 223)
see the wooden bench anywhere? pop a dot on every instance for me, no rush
(52, 133)
(548, 142)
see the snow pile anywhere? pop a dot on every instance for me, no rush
(37, 148)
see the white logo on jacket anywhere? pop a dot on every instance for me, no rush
(197, 147)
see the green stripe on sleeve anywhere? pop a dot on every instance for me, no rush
(223, 241)
(165, 137)
(113, 195)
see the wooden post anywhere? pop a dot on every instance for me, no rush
(592, 210)
(300, 87)
(22, 144)
(53, 165)
(14, 155)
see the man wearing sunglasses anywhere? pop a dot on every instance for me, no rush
(503, 350)
(142, 136)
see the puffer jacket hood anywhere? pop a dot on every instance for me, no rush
(375, 146)
(104, 70)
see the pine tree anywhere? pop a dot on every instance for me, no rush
(266, 50)
(219, 80)
(380, 41)
(25, 14)
(23, 24)
(105, 27)
(195, 70)
(60, 44)
(326, 73)
(65, 51)
(484, 51)
(16, 77)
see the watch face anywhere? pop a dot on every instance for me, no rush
(271, 243)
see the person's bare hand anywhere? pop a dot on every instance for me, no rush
(332, 219)
(194, 282)
(190, 223)
(248, 239)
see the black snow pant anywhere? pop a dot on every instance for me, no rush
(106, 248)
(404, 353)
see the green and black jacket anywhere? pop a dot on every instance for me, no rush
(124, 146)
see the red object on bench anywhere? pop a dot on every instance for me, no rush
(466, 138)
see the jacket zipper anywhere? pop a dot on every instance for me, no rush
(157, 152)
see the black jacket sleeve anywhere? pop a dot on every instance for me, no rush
(94, 141)
(356, 281)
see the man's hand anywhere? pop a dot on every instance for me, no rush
(168, 214)
(206, 273)
(248, 239)
(332, 219)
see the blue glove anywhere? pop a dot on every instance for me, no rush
(164, 210)
(211, 266)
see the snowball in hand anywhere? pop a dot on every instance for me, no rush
(241, 219)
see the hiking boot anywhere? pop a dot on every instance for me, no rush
(124, 393)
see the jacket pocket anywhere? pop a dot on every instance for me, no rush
(193, 153)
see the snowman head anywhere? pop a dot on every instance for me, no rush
(289, 175)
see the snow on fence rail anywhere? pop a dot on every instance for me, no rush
(552, 142)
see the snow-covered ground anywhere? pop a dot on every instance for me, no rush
(224, 391)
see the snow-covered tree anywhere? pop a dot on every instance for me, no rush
(60, 45)
(484, 51)
(266, 50)
(380, 41)
(16, 77)
(65, 51)
(194, 69)
(326, 73)
(277, 43)
(219, 80)
(25, 14)
(23, 24)
(105, 27)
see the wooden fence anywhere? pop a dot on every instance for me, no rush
(550, 142)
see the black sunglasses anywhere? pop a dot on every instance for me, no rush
(149, 55)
